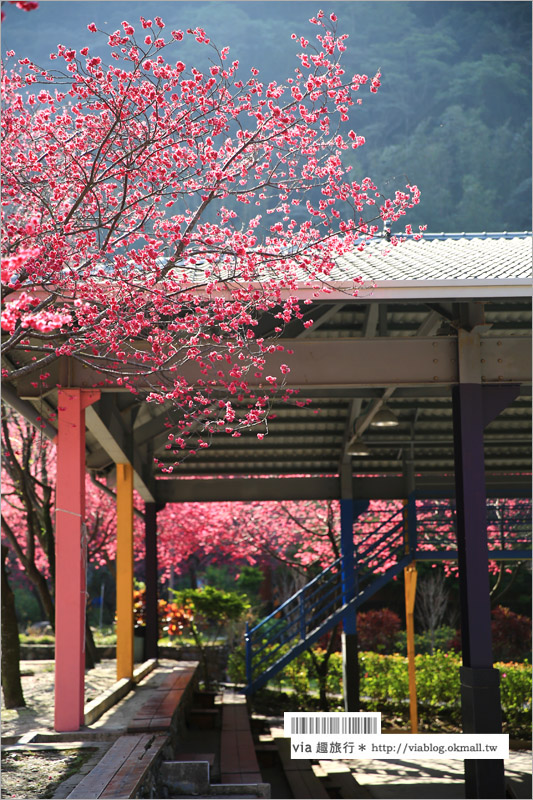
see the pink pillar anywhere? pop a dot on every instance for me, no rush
(71, 552)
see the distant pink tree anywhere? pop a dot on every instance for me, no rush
(28, 508)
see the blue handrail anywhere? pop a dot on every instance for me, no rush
(306, 616)
(281, 607)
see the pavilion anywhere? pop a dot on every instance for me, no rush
(440, 335)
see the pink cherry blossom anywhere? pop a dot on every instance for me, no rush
(124, 248)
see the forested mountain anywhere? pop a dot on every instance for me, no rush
(453, 114)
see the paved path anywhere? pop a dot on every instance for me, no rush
(429, 779)
(38, 681)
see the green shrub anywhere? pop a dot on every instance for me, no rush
(26, 606)
(515, 689)
(384, 684)
(443, 639)
(236, 668)
(384, 681)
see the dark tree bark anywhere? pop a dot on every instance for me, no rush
(11, 685)
(32, 573)
(91, 653)
(321, 664)
(192, 567)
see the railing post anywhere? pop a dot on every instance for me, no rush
(302, 616)
(248, 652)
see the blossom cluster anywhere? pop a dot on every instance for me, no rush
(153, 212)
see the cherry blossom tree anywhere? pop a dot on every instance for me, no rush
(28, 518)
(300, 538)
(153, 211)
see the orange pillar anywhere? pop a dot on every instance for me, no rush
(71, 554)
(410, 595)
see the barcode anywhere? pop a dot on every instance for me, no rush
(332, 724)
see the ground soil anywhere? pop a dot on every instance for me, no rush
(35, 773)
(38, 689)
(29, 774)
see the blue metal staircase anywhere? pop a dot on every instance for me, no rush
(422, 530)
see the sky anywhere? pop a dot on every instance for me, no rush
(57, 21)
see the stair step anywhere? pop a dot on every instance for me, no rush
(208, 757)
(299, 774)
(204, 699)
(203, 718)
(267, 754)
(342, 783)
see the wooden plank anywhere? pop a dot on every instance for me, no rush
(157, 712)
(238, 760)
(97, 779)
(235, 717)
(177, 679)
(139, 726)
(160, 723)
(129, 778)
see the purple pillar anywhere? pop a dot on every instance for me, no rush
(474, 406)
(350, 664)
(152, 633)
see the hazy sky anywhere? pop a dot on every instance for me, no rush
(65, 21)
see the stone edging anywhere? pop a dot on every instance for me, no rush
(102, 703)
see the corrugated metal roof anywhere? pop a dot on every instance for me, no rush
(436, 258)
(310, 440)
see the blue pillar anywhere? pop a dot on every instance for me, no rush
(350, 659)
(348, 563)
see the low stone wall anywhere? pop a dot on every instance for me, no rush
(217, 656)
(46, 652)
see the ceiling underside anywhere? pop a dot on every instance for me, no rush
(357, 354)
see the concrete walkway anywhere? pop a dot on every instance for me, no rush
(428, 779)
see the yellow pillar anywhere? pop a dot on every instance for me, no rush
(410, 594)
(124, 565)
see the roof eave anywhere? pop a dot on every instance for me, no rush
(422, 290)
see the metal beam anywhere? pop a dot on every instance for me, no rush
(112, 434)
(370, 325)
(28, 411)
(324, 488)
(326, 313)
(347, 363)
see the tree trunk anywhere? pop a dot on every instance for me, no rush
(39, 581)
(91, 653)
(203, 655)
(322, 674)
(193, 576)
(11, 685)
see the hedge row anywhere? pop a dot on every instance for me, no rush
(384, 682)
